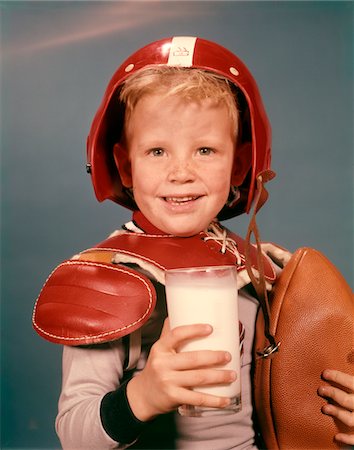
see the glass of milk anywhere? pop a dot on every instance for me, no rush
(208, 295)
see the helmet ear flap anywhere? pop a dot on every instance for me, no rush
(242, 163)
(122, 161)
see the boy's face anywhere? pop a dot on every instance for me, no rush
(179, 161)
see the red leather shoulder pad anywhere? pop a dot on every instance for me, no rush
(91, 300)
(88, 302)
(171, 252)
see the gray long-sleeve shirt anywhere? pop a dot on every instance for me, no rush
(89, 373)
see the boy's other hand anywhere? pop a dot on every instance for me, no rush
(342, 394)
(168, 376)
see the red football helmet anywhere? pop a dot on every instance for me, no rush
(191, 52)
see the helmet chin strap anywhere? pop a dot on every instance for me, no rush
(259, 283)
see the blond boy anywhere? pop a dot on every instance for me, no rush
(184, 156)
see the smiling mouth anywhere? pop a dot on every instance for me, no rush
(181, 200)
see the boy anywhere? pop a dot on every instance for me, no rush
(180, 138)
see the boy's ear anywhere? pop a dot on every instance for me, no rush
(121, 158)
(242, 163)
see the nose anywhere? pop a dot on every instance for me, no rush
(181, 171)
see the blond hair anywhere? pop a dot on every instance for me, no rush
(187, 83)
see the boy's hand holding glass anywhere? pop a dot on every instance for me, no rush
(165, 382)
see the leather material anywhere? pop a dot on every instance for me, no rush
(254, 138)
(86, 302)
(171, 252)
(311, 314)
(93, 300)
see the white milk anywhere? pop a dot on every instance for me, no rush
(208, 295)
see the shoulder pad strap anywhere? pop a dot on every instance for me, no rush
(87, 302)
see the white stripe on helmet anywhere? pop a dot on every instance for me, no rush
(182, 51)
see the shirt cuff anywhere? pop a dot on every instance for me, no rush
(118, 420)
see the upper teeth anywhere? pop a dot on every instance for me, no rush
(179, 199)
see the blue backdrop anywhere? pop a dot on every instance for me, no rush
(56, 59)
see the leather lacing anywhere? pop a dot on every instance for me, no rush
(218, 234)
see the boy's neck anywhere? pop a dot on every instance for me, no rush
(141, 221)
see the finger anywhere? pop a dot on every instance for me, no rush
(345, 438)
(166, 327)
(189, 397)
(199, 359)
(338, 377)
(177, 336)
(204, 377)
(345, 416)
(340, 397)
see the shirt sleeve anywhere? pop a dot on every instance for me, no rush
(115, 405)
(90, 378)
